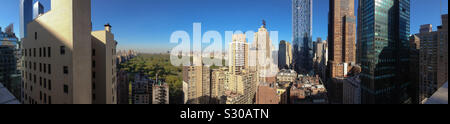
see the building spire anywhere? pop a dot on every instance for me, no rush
(264, 23)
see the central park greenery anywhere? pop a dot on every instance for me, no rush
(159, 65)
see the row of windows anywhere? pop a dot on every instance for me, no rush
(42, 97)
(46, 68)
(43, 51)
(43, 82)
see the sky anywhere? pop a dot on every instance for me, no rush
(146, 25)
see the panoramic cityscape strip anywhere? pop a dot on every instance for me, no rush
(369, 56)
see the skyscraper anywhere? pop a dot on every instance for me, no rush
(432, 62)
(342, 56)
(261, 54)
(341, 32)
(38, 9)
(383, 38)
(26, 15)
(284, 55)
(302, 35)
(238, 54)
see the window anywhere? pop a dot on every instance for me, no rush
(45, 68)
(49, 69)
(40, 52)
(63, 50)
(93, 52)
(40, 67)
(93, 63)
(66, 70)
(49, 84)
(66, 89)
(93, 74)
(34, 52)
(44, 52)
(49, 52)
(45, 83)
(40, 81)
(49, 99)
(35, 35)
(45, 98)
(34, 66)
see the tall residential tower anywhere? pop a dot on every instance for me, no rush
(302, 35)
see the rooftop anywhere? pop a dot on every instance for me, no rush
(439, 97)
(6, 97)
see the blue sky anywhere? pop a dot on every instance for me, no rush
(146, 25)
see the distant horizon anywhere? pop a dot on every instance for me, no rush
(146, 25)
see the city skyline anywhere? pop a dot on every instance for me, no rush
(371, 53)
(161, 14)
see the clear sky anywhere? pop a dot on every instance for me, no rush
(146, 25)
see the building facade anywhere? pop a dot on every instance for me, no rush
(383, 32)
(9, 74)
(302, 35)
(196, 80)
(285, 55)
(26, 16)
(320, 58)
(160, 93)
(432, 61)
(104, 69)
(341, 32)
(414, 67)
(341, 46)
(238, 56)
(57, 57)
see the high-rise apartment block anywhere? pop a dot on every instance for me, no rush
(196, 81)
(302, 35)
(218, 80)
(320, 58)
(414, 70)
(238, 54)
(65, 61)
(433, 61)
(285, 55)
(160, 93)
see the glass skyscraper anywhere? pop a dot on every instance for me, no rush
(302, 35)
(37, 9)
(383, 31)
(26, 16)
